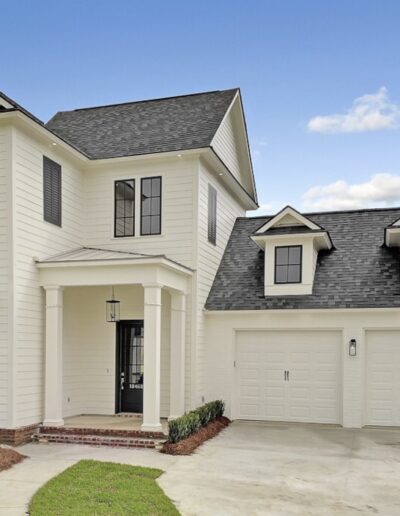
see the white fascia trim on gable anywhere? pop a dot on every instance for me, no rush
(237, 98)
(288, 210)
(4, 102)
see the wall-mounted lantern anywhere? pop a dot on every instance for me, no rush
(352, 348)
(112, 309)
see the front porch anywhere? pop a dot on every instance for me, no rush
(91, 364)
(116, 422)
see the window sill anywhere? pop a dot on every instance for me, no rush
(137, 237)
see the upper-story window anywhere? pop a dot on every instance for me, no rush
(288, 264)
(52, 194)
(212, 215)
(124, 224)
(150, 217)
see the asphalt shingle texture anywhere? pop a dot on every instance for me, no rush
(360, 272)
(136, 128)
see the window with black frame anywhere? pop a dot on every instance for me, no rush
(288, 261)
(124, 208)
(150, 221)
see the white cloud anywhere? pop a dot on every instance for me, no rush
(371, 112)
(380, 190)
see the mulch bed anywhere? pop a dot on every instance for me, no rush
(9, 457)
(187, 446)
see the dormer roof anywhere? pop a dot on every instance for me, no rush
(291, 223)
(289, 217)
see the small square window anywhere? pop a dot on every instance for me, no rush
(288, 264)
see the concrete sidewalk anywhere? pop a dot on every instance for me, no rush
(19, 484)
(251, 468)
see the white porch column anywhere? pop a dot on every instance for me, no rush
(152, 358)
(177, 369)
(53, 366)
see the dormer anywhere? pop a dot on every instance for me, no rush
(392, 234)
(291, 243)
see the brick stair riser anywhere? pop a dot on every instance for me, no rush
(134, 434)
(94, 441)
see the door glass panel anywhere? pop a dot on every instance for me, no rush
(135, 366)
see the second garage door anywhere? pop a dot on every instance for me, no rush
(288, 376)
(383, 378)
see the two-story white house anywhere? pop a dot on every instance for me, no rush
(132, 282)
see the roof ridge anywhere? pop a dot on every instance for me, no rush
(144, 101)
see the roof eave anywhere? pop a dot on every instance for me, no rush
(16, 115)
(322, 236)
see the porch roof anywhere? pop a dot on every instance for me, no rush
(95, 266)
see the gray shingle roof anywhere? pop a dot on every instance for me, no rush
(135, 128)
(360, 272)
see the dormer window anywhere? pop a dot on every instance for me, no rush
(291, 243)
(288, 264)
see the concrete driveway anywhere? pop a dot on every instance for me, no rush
(290, 469)
(249, 469)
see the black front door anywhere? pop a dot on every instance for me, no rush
(130, 366)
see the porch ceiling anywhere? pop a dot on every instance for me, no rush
(91, 267)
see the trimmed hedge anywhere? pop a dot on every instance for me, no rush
(190, 423)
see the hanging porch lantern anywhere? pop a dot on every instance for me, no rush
(112, 309)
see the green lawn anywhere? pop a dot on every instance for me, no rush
(91, 488)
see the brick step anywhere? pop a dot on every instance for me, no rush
(96, 440)
(104, 432)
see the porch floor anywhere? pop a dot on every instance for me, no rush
(131, 422)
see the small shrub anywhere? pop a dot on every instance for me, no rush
(190, 423)
(183, 427)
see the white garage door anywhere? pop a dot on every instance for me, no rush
(383, 378)
(288, 376)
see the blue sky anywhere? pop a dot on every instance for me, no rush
(301, 65)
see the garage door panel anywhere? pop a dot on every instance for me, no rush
(326, 394)
(274, 412)
(313, 361)
(248, 410)
(383, 378)
(249, 391)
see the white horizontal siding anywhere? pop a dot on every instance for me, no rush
(178, 179)
(230, 143)
(209, 256)
(5, 280)
(36, 238)
(89, 348)
(224, 144)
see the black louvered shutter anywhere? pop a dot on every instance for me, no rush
(212, 215)
(51, 191)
